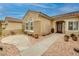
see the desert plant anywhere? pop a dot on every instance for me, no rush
(12, 33)
(76, 50)
(29, 34)
(78, 35)
(74, 37)
(36, 36)
(1, 48)
(66, 38)
(52, 30)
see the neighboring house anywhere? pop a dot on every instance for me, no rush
(1, 27)
(66, 23)
(11, 25)
(37, 23)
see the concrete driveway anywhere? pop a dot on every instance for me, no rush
(21, 41)
(24, 45)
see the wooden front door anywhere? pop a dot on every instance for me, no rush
(59, 27)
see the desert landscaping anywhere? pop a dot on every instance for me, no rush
(62, 48)
(49, 45)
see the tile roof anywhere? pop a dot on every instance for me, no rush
(67, 15)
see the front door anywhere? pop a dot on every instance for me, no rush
(59, 27)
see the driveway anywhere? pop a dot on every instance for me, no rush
(27, 49)
(21, 41)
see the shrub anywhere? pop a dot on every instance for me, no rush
(66, 38)
(76, 50)
(36, 36)
(78, 35)
(74, 37)
(52, 30)
(12, 33)
(1, 48)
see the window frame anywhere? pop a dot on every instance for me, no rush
(75, 25)
(29, 25)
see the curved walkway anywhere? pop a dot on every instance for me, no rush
(39, 48)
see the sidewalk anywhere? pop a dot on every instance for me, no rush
(39, 48)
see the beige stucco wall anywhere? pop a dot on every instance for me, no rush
(45, 25)
(65, 25)
(54, 25)
(12, 26)
(34, 17)
(41, 25)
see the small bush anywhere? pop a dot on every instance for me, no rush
(29, 34)
(52, 30)
(78, 35)
(76, 50)
(74, 38)
(12, 33)
(1, 48)
(72, 35)
(25, 32)
(66, 38)
(36, 36)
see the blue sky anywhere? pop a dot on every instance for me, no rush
(18, 10)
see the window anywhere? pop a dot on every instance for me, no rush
(73, 25)
(29, 25)
(70, 25)
(26, 25)
(76, 25)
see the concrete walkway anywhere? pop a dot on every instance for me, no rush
(20, 41)
(39, 48)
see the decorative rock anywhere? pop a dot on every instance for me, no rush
(8, 50)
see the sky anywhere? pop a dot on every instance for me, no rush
(18, 10)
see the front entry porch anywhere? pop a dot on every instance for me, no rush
(60, 27)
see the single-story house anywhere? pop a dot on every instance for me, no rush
(66, 23)
(36, 23)
(11, 25)
(39, 23)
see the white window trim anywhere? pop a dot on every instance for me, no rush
(73, 25)
(28, 30)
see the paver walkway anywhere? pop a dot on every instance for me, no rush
(39, 48)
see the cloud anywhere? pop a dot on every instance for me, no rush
(46, 6)
(69, 8)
